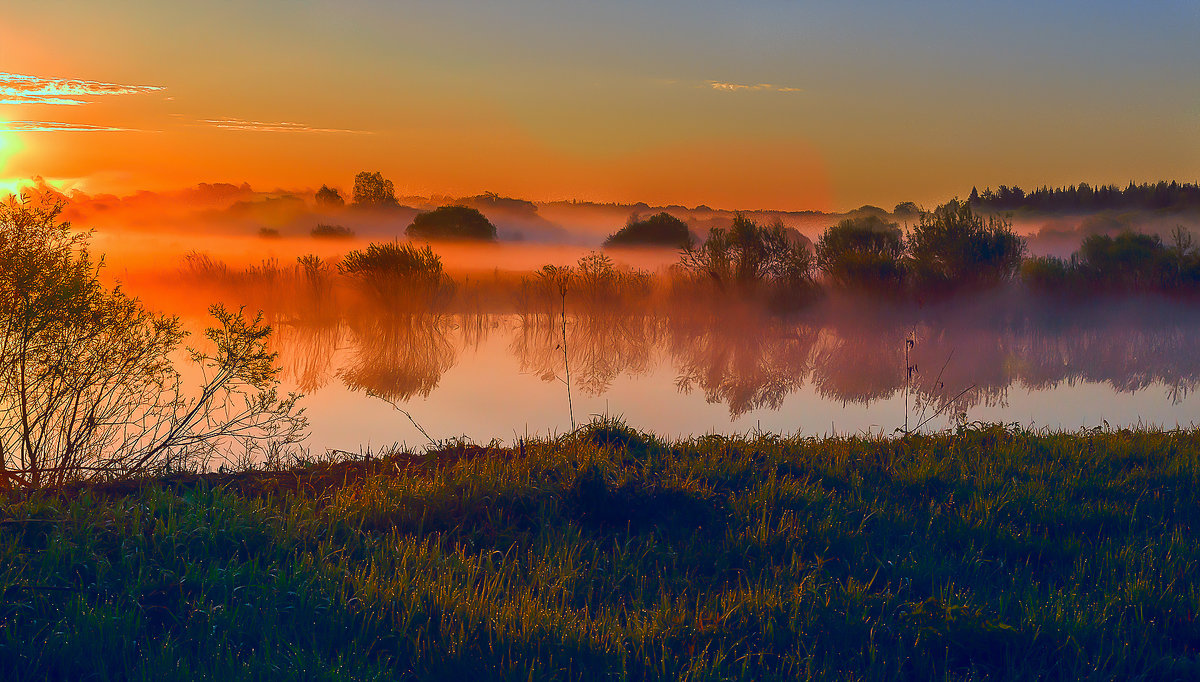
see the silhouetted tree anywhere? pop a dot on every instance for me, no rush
(907, 210)
(327, 197)
(1084, 197)
(371, 190)
(452, 223)
(662, 229)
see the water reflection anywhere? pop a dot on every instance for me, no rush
(397, 357)
(749, 360)
(600, 347)
(736, 359)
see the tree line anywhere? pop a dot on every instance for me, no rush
(951, 249)
(1084, 197)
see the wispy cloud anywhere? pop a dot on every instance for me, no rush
(57, 127)
(17, 88)
(273, 126)
(738, 87)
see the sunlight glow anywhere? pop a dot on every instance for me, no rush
(9, 145)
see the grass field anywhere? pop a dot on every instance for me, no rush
(987, 553)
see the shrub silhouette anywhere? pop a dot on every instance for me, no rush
(864, 252)
(662, 229)
(1130, 261)
(332, 232)
(1126, 262)
(452, 223)
(747, 257)
(954, 247)
(393, 272)
(1048, 273)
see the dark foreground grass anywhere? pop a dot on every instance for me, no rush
(990, 553)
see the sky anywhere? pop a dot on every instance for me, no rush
(772, 104)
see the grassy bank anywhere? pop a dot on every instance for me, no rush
(611, 555)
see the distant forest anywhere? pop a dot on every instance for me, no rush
(1084, 197)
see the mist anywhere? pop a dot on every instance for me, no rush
(545, 301)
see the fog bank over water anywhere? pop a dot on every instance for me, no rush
(488, 351)
(242, 225)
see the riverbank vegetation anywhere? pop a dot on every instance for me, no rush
(989, 552)
(92, 384)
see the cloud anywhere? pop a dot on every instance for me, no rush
(55, 127)
(21, 89)
(227, 123)
(738, 87)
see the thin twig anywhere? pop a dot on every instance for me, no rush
(936, 381)
(406, 413)
(566, 359)
(945, 405)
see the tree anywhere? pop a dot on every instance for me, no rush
(662, 229)
(953, 246)
(327, 197)
(452, 222)
(371, 190)
(906, 210)
(862, 252)
(88, 386)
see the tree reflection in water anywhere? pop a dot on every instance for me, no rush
(740, 358)
(748, 359)
(398, 356)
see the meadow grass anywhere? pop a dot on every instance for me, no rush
(988, 553)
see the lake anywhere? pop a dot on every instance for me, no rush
(840, 367)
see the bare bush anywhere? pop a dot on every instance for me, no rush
(88, 384)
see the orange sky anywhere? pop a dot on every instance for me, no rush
(767, 105)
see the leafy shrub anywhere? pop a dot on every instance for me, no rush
(1130, 260)
(864, 252)
(452, 223)
(953, 247)
(88, 388)
(662, 229)
(1047, 273)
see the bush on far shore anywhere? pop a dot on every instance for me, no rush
(452, 223)
(661, 229)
